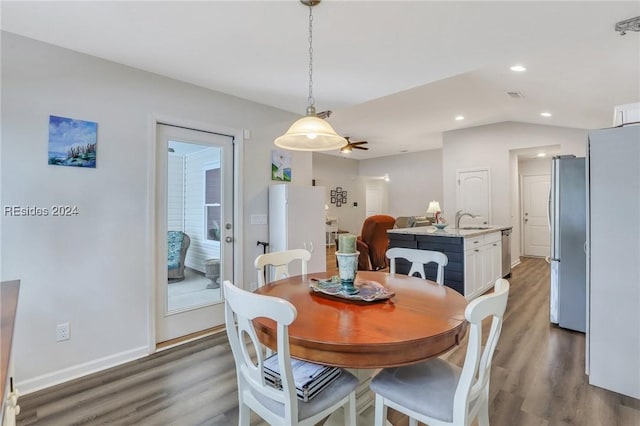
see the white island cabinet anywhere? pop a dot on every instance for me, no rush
(474, 255)
(482, 263)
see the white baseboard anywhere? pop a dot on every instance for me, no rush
(515, 263)
(76, 371)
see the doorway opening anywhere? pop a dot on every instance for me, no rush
(532, 183)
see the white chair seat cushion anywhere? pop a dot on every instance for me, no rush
(427, 388)
(330, 395)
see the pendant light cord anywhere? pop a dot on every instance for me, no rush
(310, 100)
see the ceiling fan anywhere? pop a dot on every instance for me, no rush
(350, 146)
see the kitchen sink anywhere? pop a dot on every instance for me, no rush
(468, 228)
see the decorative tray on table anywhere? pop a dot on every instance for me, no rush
(368, 291)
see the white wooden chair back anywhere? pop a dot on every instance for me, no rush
(474, 379)
(419, 259)
(276, 406)
(279, 262)
(241, 307)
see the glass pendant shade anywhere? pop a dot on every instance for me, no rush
(310, 133)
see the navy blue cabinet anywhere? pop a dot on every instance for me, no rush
(453, 247)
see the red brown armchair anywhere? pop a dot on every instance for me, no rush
(373, 242)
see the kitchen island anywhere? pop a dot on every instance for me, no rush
(474, 253)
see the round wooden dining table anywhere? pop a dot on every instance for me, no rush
(422, 320)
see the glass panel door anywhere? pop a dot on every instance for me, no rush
(194, 219)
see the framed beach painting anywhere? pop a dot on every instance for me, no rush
(72, 142)
(281, 165)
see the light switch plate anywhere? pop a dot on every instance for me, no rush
(258, 219)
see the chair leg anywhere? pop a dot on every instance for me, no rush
(483, 412)
(380, 411)
(350, 410)
(244, 415)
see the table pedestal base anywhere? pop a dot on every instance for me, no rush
(365, 401)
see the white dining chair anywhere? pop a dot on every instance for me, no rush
(279, 262)
(276, 406)
(419, 259)
(438, 393)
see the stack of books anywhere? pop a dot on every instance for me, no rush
(309, 378)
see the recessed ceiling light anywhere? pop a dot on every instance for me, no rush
(541, 154)
(545, 114)
(518, 68)
(459, 117)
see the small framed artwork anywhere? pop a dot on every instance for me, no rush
(338, 196)
(72, 142)
(280, 165)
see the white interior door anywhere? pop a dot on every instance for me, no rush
(474, 193)
(194, 197)
(535, 193)
(373, 199)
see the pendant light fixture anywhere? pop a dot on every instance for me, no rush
(310, 133)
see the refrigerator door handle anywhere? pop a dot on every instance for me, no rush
(549, 210)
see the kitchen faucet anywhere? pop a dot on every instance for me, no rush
(459, 215)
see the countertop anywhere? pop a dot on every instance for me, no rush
(448, 231)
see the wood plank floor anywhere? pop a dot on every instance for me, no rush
(537, 379)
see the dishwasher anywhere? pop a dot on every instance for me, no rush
(506, 253)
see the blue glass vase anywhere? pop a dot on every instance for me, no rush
(347, 267)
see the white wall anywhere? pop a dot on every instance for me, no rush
(492, 146)
(414, 180)
(93, 269)
(330, 172)
(534, 166)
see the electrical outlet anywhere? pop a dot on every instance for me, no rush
(62, 332)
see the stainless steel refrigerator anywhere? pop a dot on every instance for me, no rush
(567, 221)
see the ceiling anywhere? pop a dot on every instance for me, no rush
(394, 73)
